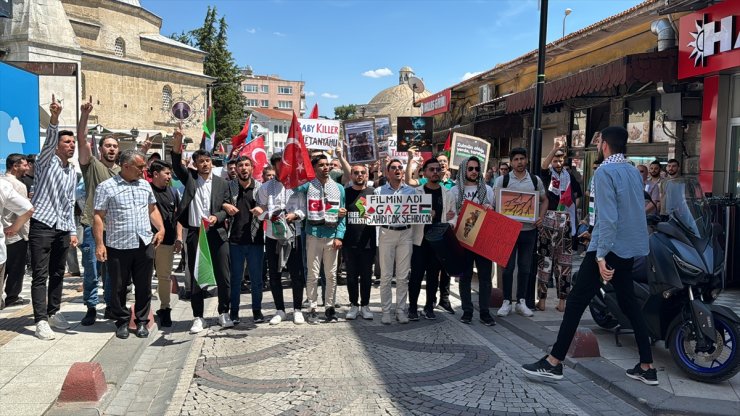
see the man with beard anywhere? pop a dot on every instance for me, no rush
(620, 235)
(471, 186)
(94, 172)
(423, 258)
(168, 201)
(246, 238)
(53, 228)
(324, 233)
(395, 244)
(17, 243)
(652, 185)
(672, 170)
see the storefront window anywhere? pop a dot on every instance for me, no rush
(578, 133)
(638, 121)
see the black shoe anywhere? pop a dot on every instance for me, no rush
(90, 317)
(312, 317)
(649, 376)
(165, 319)
(467, 318)
(544, 369)
(413, 314)
(331, 314)
(429, 313)
(16, 301)
(446, 306)
(258, 317)
(141, 331)
(108, 314)
(122, 330)
(487, 320)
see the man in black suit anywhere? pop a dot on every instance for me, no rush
(203, 198)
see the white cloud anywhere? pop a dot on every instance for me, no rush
(252, 31)
(279, 34)
(329, 95)
(377, 73)
(310, 94)
(469, 75)
(15, 131)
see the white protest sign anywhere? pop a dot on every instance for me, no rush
(399, 210)
(320, 134)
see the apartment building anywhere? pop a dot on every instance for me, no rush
(272, 92)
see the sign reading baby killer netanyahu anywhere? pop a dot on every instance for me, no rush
(399, 210)
(320, 134)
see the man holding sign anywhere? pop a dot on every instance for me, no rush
(471, 187)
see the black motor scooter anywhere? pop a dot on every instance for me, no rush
(676, 285)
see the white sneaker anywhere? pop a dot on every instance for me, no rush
(366, 312)
(58, 321)
(199, 324)
(43, 331)
(298, 318)
(225, 321)
(386, 319)
(522, 309)
(352, 314)
(402, 317)
(505, 309)
(279, 317)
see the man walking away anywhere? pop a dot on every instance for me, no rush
(17, 243)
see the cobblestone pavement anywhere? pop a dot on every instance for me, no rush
(363, 367)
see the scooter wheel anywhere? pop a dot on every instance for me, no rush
(602, 318)
(719, 362)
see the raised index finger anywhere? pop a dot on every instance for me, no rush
(53, 99)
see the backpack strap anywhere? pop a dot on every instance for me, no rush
(506, 181)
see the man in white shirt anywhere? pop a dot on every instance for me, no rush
(15, 203)
(16, 245)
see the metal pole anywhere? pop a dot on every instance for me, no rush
(536, 144)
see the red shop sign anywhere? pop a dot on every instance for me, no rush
(436, 103)
(709, 40)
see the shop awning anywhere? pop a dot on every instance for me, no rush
(637, 68)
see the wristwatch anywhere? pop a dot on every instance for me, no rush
(600, 259)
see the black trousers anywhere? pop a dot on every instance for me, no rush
(15, 269)
(220, 257)
(124, 267)
(444, 286)
(48, 259)
(359, 263)
(485, 270)
(423, 260)
(585, 288)
(295, 268)
(524, 258)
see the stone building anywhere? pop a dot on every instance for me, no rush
(133, 73)
(395, 101)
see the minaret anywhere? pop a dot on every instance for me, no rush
(404, 74)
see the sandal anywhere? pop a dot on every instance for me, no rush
(540, 306)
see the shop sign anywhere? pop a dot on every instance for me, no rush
(709, 40)
(436, 103)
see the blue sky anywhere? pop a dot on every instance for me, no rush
(346, 51)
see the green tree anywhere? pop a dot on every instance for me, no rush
(345, 112)
(227, 100)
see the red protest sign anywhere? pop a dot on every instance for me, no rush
(486, 232)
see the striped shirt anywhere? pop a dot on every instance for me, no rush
(126, 206)
(54, 195)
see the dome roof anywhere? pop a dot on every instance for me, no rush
(395, 101)
(407, 69)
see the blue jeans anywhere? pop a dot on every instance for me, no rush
(90, 276)
(254, 255)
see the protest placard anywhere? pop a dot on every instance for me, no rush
(320, 134)
(463, 146)
(359, 137)
(399, 210)
(382, 134)
(415, 132)
(486, 232)
(518, 205)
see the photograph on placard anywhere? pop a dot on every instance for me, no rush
(519, 205)
(415, 132)
(383, 133)
(360, 140)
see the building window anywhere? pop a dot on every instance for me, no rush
(166, 97)
(120, 48)
(265, 103)
(264, 89)
(285, 90)
(252, 102)
(285, 104)
(250, 87)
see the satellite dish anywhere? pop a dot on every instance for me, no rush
(416, 85)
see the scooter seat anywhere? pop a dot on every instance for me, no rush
(640, 269)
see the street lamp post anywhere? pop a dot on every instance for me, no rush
(567, 12)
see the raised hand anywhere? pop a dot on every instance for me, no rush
(177, 140)
(55, 109)
(86, 108)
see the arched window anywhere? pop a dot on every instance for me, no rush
(120, 48)
(166, 97)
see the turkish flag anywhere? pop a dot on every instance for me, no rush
(256, 151)
(315, 205)
(315, 112)
(296, 168)
(244, 136)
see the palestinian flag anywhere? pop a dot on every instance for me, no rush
(209, 131)
(425, 209)
(360, 204)
(203, 265)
